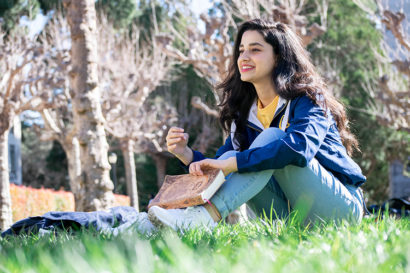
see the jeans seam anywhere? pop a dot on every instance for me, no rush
(221, 201)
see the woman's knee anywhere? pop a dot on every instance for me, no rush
(227, 154)
(267, 136)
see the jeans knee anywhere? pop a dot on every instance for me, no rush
(266, 136)
(228, 154)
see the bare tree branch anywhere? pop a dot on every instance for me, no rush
(210, 52)
(393, 22)
(197, 103)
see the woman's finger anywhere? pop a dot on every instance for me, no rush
(197, 169)
(172, 147)
(173, 131)
(174, 141)
(176, 130)
(174, 135)
(194, 169)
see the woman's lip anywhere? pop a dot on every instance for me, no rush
(246, 69)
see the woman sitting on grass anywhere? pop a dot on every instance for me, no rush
(289, 141)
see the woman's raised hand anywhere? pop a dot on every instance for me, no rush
(177, 141)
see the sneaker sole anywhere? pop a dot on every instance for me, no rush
(155, 221)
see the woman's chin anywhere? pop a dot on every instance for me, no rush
(246, 79)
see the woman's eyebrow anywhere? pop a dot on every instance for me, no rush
(252, 44)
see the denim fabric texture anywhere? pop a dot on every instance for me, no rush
(312, 190)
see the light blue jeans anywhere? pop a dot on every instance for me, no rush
(312, 191)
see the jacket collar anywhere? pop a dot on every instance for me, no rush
(252, 117)
(253, 120)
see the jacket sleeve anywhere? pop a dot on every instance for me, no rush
(224, 148)
(304, 136)
(197, 156)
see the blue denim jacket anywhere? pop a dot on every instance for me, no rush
(309, 134)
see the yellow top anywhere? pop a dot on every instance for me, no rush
(265, 114)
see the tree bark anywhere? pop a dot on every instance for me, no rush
(88, 119)
(72, 150)
(161, 166)
(5, 199)
(127, 147)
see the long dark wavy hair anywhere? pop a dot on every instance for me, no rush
(293, 76)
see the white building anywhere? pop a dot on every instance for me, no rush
(399, 179)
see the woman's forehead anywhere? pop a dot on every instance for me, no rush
(252, 37)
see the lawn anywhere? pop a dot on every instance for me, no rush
(261, 246)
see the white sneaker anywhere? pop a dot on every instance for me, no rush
(144, 225)
(190, 217)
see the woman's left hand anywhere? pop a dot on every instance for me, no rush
(226, 165)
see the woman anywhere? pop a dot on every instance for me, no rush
(289, 141)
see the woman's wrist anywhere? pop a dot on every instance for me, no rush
(186, 157)
(232, 164)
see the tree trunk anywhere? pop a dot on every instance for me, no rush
(127, 147)
(88, 119)
(5, 199)
(72, 150)
(161, 165)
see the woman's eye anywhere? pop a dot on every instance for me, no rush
(252, 50)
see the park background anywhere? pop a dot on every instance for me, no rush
(153, 64)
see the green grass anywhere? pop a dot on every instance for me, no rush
(373, 246)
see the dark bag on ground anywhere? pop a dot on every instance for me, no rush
(399, 207)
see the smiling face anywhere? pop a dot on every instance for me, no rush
(256, 58)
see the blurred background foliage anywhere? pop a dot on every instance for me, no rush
(348, 42)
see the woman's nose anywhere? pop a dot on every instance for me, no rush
(244, 55)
